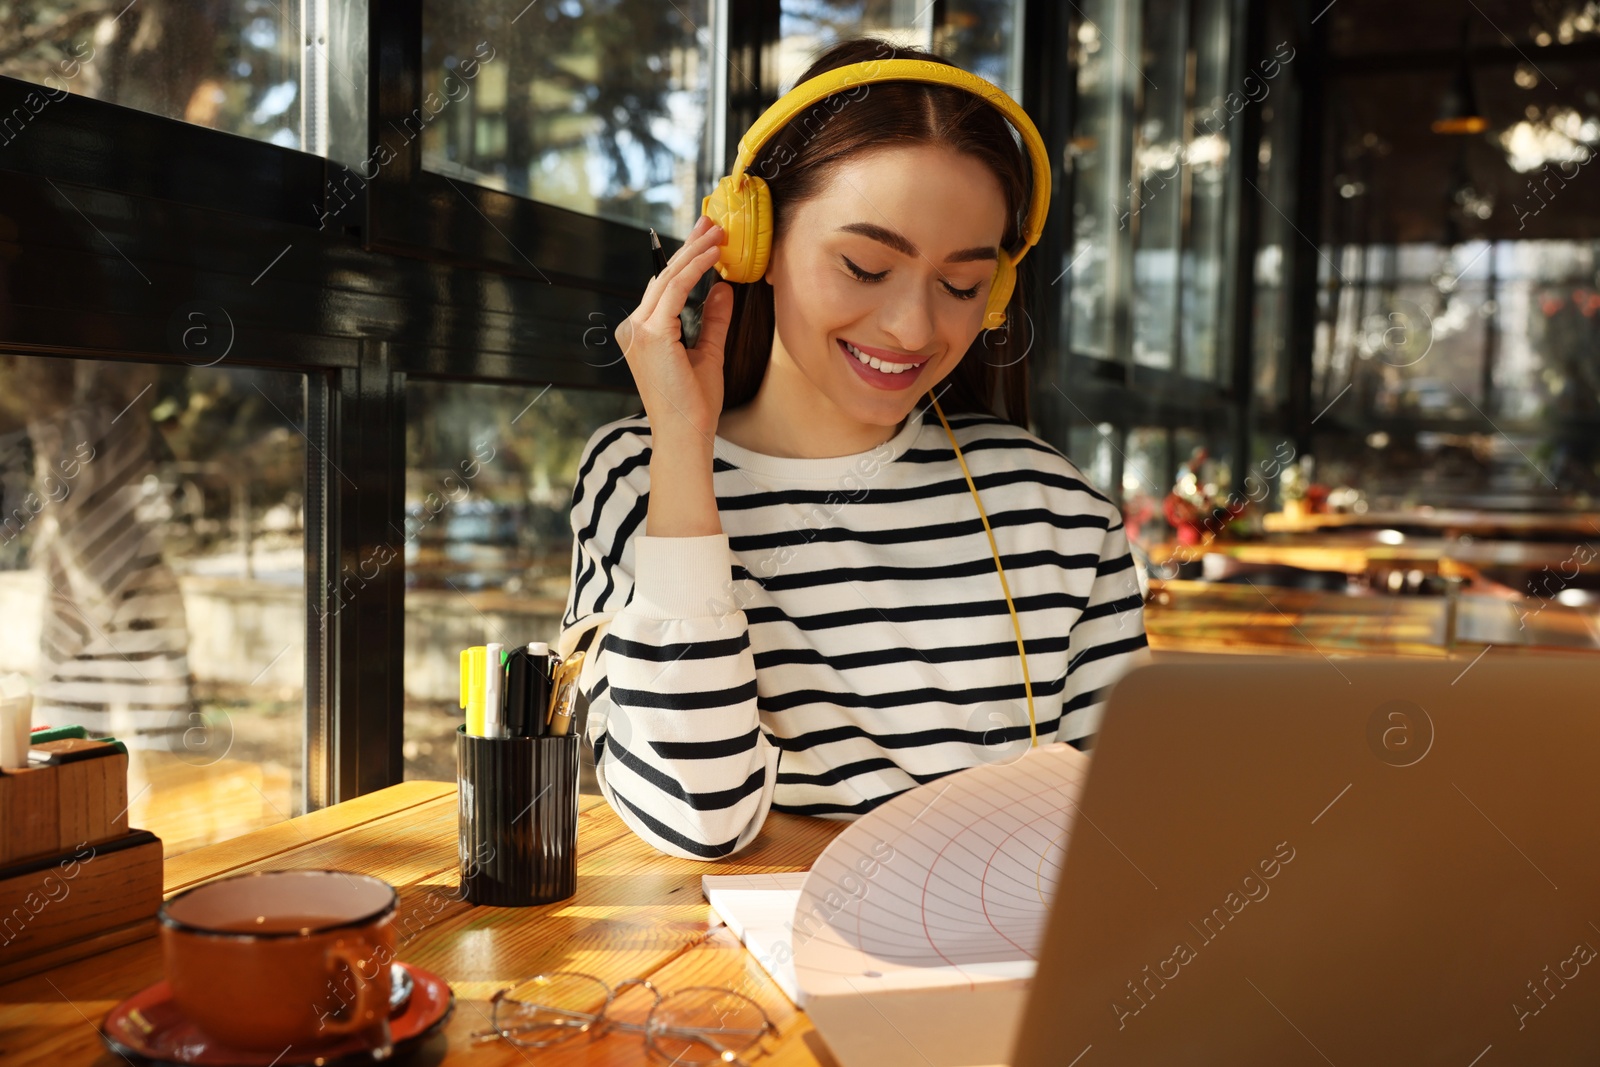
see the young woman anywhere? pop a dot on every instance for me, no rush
(785, 590)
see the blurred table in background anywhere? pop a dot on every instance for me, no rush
(1509, 568)
(1477, 522)
(1195, 616)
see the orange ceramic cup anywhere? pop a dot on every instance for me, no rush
(270, 959)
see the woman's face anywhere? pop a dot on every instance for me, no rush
(923, 225)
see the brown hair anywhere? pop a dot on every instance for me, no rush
(896, 113)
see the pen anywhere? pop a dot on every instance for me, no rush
(689, 317)
(553, 664)
(659, 252)
(565, 693)
(494, 673)
(472, 676)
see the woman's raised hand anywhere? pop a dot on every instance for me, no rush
(681, 387)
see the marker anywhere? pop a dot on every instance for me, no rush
(538, 687)
(518, 681)
(472, 677)
(494, 674)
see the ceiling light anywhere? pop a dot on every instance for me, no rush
(1458, 110)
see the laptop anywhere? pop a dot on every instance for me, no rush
(1311, 861)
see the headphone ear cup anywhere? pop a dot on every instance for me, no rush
(743, 208)
(1005, 280)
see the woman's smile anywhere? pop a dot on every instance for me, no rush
(898, 372)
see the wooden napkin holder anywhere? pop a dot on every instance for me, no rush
(74, 878)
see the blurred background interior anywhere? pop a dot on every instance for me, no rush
(305, 315)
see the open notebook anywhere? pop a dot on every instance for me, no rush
(759, 910)
(923, 914)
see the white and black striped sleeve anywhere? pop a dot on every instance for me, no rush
(669, 676)
(1106, 641)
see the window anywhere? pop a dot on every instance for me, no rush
(602, 107)
(1547, 331)
(488, 543)
(1092, 448)
(1407, 331)
(152, 578)
(1273, 208)
(1453, 359)
(1147, 477)
(1150, 226)
(1205, 262)
(1160, 151)
(982, 36)
(1100, 207)
(985, 37)
(235, 66)
(1416, 334)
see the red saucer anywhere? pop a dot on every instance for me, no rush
(149, 1028)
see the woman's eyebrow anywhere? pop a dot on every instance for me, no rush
(900, 244)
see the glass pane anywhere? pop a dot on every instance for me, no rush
(152, 578)
(982, 36)
(1146, 480)
(233, 66)
(1406, 347)
(985, 37)
(1091, 450)
(1159, 155)
(1271, 312)
(489, 476)
(1204, 273)
(807, 28)
(1449, 377)
(600, 107)
(1547, 333)
(1260, 484)
(1106, 35)
(1278, 244)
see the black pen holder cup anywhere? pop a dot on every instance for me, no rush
(518, 808)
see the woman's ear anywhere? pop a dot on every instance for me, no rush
(774, 257)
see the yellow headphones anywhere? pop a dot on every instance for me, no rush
(742, 205)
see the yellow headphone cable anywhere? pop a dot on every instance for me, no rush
(1005, 587)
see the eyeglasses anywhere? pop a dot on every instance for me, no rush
(694, 1025)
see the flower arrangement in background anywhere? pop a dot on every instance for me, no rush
(1194, 510)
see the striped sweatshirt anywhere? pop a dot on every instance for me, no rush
(846, 636)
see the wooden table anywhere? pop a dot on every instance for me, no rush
(1353, 553)
(636, 913)
(1479, 522)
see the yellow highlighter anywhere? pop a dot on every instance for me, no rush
(473, 661)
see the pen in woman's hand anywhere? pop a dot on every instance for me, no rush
(689, 318)
(659, 252)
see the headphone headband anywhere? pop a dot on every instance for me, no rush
(815, 90)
